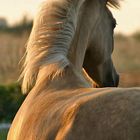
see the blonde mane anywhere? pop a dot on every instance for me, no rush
(49, 42)
(113, 3)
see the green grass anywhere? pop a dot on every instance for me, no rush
(10, 101)
(3, 134)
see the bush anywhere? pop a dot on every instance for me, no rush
(25, 25)
(18, 29)
(136, 36)
(3, 134)
(10, 101)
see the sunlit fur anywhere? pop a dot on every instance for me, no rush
(61, 104)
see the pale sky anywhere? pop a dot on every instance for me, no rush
(128, 17)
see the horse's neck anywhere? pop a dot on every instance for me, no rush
(80, 41)
(68, 78)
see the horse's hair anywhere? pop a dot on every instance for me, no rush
(50, 40)
(114, 3)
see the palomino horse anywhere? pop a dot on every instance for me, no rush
(61, 103)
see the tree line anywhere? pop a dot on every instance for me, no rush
(24, 25)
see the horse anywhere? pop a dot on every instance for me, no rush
(104, 73)
(61, 102)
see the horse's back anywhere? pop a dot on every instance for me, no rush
(99, 114)
(112, 114)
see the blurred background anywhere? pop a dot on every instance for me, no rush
(15, 26)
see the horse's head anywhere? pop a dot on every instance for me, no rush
(98, 62)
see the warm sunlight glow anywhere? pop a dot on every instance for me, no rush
(127, 17)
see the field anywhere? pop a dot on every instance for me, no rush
(126, 58)
(12, 48)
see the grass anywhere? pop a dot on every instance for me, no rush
(127, 60)
(3, 134)
(126, 55)
(11, 51)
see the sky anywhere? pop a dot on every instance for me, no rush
(128, 17)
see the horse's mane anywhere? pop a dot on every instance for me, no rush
(114, 3)
(53, 29)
